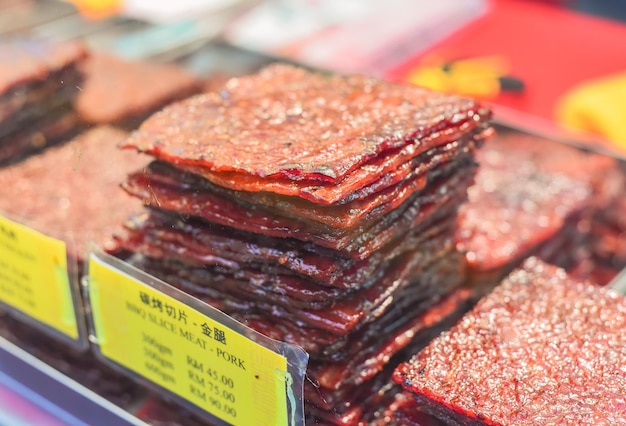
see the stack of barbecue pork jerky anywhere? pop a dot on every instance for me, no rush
(319, 210)
(39, 81)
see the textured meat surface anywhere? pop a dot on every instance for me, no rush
(438, 200)
(25, 60)
(284, 127)
(525, 189)
(71, 191)
(367, 204)
(368, 358)
(540, 349)
(194, 243)
(117, 90)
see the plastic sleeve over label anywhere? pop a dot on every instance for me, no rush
(199, 358)
(34, 277)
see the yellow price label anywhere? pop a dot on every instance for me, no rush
(184, 351)
(34, 279)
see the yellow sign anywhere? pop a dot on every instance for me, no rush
(34, 278)
(185, 351)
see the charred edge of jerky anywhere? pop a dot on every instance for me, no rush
(47, 132)
(36, 101)
(359, 246)
(174, 241)
(400, 342)
(334, 216)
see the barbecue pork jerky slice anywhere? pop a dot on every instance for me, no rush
(117, 91)
(195, 242)
(287, 289)
(370, 202)
(364, 361)
(526, 188)
(310, 128)
(344, 403)
(72, 190)
(541, 349)
(24, 61)
(374, 175)
(161, 186)
(441, 199)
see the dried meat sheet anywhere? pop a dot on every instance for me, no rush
(38, 135)
(439, 199)
(336, 391)
(120, 91)
(25, 60)
(343, 316)
(390, 191)
(510, 334)
(368, 358)
(310, 129)
(307, 273)
(526, 189)
(69, 192)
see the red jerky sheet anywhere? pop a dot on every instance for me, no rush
(24, 61)
(72, 190)
(540, 349)
(285, 129)
(526, 187)
(198, 244)
(116, 90)
(364, 206)
(436, 201)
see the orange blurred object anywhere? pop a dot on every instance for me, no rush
(98, 9)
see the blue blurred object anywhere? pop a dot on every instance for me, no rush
(612, 9)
